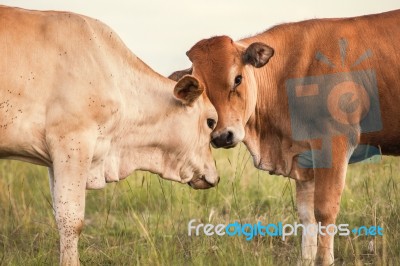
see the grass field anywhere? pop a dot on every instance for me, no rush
(143, 219)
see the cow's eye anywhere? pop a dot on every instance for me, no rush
(238, 80)
(211, 123)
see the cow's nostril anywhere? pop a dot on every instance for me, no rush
(229, 137)
(217, 142)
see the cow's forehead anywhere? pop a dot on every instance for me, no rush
(215, 54)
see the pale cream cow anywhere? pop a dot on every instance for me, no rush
(75, 99)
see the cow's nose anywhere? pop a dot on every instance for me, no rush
(224, 139)
(204, 182)
(212, 181)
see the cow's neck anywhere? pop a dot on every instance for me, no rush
(149, 108)
(268, 129)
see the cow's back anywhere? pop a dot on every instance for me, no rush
(56, 67)
(322, 47)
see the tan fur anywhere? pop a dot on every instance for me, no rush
(75, 99)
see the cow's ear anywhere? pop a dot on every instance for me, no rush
(177, 75)
(188, 89)
(257, 54)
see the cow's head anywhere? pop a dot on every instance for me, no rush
(190, 135)
(226, 69)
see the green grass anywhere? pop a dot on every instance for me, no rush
(143, 219)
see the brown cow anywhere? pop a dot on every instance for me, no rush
(314, 108)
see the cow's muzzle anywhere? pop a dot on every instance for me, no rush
(223, 139)
(203, 182)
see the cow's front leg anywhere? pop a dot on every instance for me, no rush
(71, 161)
(69, 210)
(305, 209)
(329, 184)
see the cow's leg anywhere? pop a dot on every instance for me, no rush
(329, 184)
(71, 157)
(69, 209)
(305, 209)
